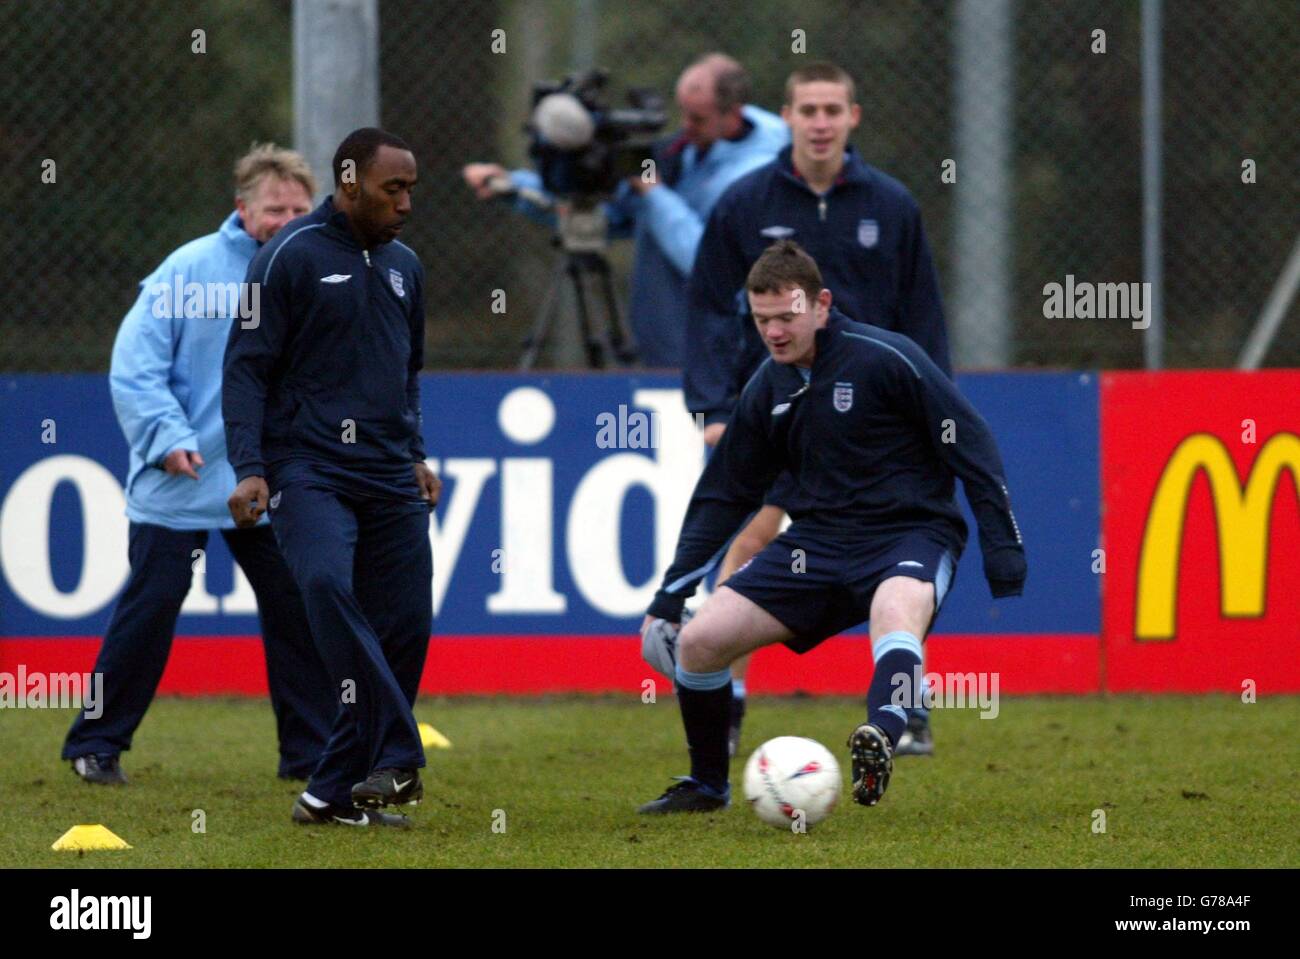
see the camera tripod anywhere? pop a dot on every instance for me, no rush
(583, 239)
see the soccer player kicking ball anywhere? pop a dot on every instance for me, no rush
(321, 400)
(874, 435)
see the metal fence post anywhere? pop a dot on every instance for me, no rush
(982, 323)
(335, 77)
(1152, 186)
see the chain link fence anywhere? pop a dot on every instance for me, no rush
(117, 141)
(142, 131)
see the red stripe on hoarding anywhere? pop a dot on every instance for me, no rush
(214, 665)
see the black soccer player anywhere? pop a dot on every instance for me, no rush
(861, 418)
(321, 401)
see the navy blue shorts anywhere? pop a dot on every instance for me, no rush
(818, 588)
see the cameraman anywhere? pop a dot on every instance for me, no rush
(722, 138)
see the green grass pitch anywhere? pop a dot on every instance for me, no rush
(1184, 782)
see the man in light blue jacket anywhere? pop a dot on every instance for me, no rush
(722, 138)
(166, 386)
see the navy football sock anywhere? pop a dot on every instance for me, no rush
(892, 690)
(705, 701)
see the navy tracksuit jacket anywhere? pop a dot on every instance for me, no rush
(340, 338)
(865, 234)
(879, 467)
(321, 397)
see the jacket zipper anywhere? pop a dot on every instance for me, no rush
(821, 208)
(366, 254)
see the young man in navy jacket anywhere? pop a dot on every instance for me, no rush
(321, 401)
(873, 435)
(864, 230)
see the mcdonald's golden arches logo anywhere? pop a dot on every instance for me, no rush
(1241, 518)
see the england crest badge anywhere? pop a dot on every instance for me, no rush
(842, 397)
(868, 233)
(395, 278)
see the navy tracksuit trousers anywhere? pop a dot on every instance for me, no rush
(365, 570)
(139, 640)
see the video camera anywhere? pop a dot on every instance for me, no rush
(581, 146)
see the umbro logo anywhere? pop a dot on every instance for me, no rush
(780, 408)
(336, 278)
(911, 562)
(776, 232)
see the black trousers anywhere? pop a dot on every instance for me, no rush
(139, 640)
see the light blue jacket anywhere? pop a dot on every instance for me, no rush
(166, 380)
(668, 222)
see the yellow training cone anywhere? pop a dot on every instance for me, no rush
(86, 838)
(430, 738)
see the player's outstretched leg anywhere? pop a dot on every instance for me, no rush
(727, 626)
(901, 609)
(760, 531)
(871, 745)
(705, 701)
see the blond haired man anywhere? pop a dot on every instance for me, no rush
(165, 381)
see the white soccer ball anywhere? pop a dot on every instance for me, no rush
(792, 781)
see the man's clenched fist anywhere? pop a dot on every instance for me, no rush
(430, 485)
(248, 502)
